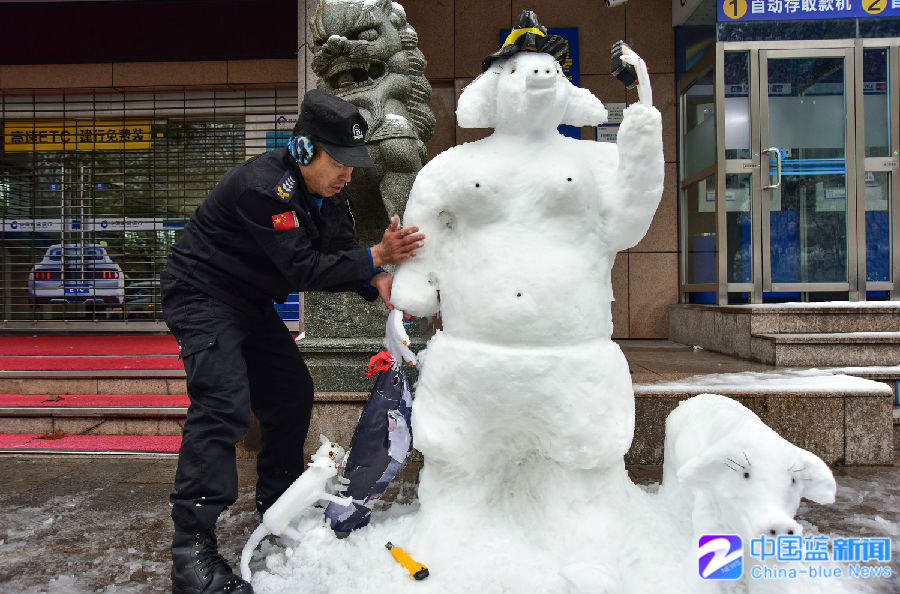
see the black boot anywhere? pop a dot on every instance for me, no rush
(198, 568)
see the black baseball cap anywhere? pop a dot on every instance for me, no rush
(337, 126)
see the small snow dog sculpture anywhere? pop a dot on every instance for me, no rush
(317, 483)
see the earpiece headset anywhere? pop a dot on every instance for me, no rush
(301, 149)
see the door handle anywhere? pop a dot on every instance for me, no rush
(777, 152)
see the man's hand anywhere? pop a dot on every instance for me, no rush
(397, 244)
(383, 282)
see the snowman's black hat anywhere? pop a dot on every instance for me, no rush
(530, 36)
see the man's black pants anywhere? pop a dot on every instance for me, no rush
(236, 360)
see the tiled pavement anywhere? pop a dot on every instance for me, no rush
(654, 361)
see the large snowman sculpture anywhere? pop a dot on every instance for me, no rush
(523, 399)
(522, 230)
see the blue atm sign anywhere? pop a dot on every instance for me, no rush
(786, 10)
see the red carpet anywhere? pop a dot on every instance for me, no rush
(95, 400)
(93, 356)
(120, 344)
(43, 363)
(128, 443)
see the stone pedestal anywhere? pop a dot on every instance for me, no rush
(336, 316)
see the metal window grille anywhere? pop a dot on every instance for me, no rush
(95, 188)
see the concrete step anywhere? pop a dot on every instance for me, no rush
(844, 420)
(93, 414)
(732, 329)
(799, 318)
(63, 370)
(796, 318)
(889, 375)
(827, 349)
(841, 426)
(335, 414)
(335, 365)
(108, 381)
(31, 443)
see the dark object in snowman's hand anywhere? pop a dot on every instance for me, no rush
(624, 72)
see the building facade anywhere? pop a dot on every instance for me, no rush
(789, 153)
(119, 116)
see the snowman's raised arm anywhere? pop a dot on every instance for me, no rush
(415, 284)
(641, 167)
(645, 93)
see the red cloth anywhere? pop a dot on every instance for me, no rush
(130, 443)
(119, 344)
(143, 400)
(47, 363)
(380, 362)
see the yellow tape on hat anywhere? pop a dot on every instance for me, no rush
(516, 33)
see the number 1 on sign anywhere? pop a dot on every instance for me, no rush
(735, 9)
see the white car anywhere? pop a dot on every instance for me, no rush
(80, 274)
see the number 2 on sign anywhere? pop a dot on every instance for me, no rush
(874, 6)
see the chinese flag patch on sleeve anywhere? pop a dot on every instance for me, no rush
(285, 220)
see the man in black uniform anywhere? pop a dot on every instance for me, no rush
(278, 223)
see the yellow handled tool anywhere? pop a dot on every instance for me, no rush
(415, 569)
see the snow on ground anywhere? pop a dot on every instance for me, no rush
(84, 533)
(58, 546)
(867, 506)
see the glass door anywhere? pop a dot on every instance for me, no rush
(807, 170)
(878, 155)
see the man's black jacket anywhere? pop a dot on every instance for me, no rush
(259, 236)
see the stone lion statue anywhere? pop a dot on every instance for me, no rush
(365, 52)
